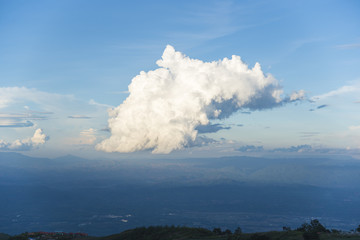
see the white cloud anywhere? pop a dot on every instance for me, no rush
(354, 128)
(16, 120)
(166, 105)
(87, 137)
(93, 102)
(79, 117)
(299, 149)
(62, 116)
(11, 95)
(339, 91)
(297, 95)
(15, 123)
(37, 139)
(349, 46)
(251, 148)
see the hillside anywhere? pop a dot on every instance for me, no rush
(4, 236)
(186, 233)
(307, 231)
(162, 233)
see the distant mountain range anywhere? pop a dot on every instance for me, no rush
(321, 172)
(105, 196)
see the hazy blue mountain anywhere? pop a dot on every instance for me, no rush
(107, 196)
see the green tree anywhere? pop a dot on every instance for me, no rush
(238, 231)
(305, 227)
(287, 229)
(217, 231)
(314, 226)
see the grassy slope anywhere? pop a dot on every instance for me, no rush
(162, 233)
(185, 233)
(4, 236)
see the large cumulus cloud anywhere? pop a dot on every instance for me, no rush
(165, 106)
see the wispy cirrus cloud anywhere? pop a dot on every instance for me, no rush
(44, 104)
(23, 95)
(15, 123)
(212, 21)
(340, 91)
(79, 117)
(353, 128)
(308, 134)
(86, 137)
(349, 46)
(19, 119)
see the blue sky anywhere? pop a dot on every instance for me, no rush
(64, 64)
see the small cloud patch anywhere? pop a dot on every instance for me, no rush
(211, 128)
(19, 120)
(299, 148)
(36, 140)
(15, 124)
(348, 46)
(79, 117)
(322, 106)
(251, 148)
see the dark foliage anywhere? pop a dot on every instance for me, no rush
(259, 237)
(311, 236)
(161, 233)
(217, 231)
(314, 226)
(335, 231)
(238, 231)
(19, 237)
(307, 231)
(285, 228)
(4, 236)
